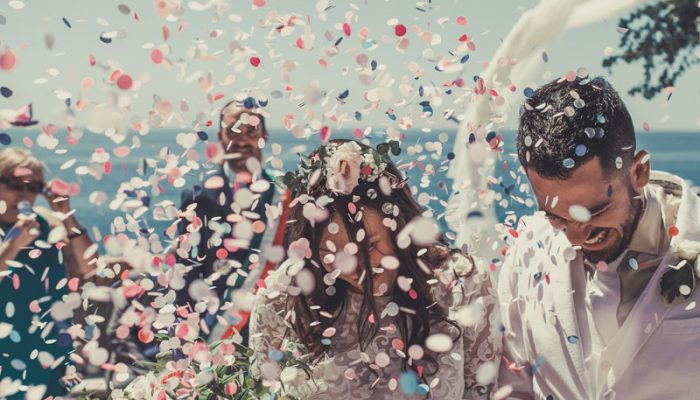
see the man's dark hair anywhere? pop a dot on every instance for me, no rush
(565, 124)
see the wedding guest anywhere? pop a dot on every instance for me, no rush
(597, 293)
(371, 300)
(38, 252)
(230, 222)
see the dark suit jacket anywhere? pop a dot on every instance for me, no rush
(210, 206)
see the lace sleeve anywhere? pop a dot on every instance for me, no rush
(475, 308)
(267, 333)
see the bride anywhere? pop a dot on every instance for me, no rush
(370, 303)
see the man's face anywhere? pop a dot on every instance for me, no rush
(241, 139)
(614, 203)
(15, 190)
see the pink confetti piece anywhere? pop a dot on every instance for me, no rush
(325, 134)
(400, 30)
(73, 284)
(124, 82)
(145, 335)
(34, 307)
(22, 171)
(122, 332)
(346, 29)
(259, 3)
(461, 20)
(255, 61)
(62, 188)
(157, 56)
(121, 151)
(7, 59)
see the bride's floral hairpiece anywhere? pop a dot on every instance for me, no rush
(344, 165)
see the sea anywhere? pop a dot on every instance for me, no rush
(674, 152)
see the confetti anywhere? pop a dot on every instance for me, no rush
(7, 60)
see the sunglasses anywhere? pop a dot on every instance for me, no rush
(21, 186)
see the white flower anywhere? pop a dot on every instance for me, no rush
(343, 168)
(687, 249)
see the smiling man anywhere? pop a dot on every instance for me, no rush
(230, 224)
(593, 301)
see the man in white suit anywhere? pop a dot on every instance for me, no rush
(597, 292)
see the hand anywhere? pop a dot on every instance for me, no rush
(58, 203)
(24, 232)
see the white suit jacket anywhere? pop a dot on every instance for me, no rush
(547, 340)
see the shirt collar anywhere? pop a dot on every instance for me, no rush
(649, 236)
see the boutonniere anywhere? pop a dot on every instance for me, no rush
(679, 281)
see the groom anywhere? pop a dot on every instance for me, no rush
(581, 288)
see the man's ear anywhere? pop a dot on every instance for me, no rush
(641, 169)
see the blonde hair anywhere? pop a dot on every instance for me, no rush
(15, 157)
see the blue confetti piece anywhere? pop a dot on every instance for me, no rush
(408, 382)
(358, 116)
(528, 92)
(5, 91)
(610, 190)
(276, 355)
(202, 135)
(421, 91)
(472, 138)
(13, 233)
(568, 163)
(573, 339)
(197, 190)
(67, 102)
(65, 21)
(633, 263)
(600, 118)
(373, 65)
(263, 103)
(590, 132)
(464, 59)
(475, 214)
(249, 103)
(344, 94)
(581, 150)
(5, 139)
(105, 39)
(539, 362)
(490, 136)
(426, 107)
(537, 276)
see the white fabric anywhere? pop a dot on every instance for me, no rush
(603, 298)
(653, 355)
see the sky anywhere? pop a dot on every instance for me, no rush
(210, 45)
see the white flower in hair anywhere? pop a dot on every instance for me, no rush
(343, 168)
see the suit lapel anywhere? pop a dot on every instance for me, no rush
(650, 310)
(645, 317)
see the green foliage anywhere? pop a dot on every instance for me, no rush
(664, 36)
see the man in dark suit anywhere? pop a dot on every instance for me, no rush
(229, 225)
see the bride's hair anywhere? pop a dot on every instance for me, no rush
(414, 328)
